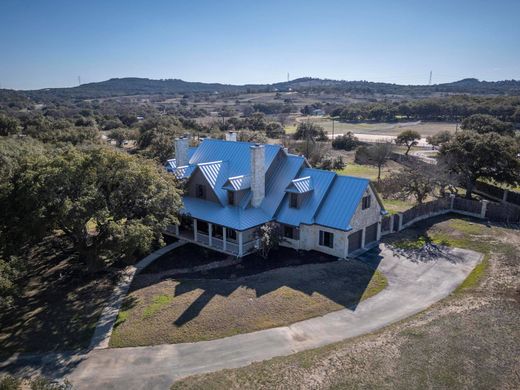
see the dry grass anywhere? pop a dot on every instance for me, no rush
(176, 311)
(470, 340)
(392, 128)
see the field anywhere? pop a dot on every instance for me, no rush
(469, 340)
(424, 128)
(209, 306)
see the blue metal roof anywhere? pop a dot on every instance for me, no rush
(216, 174)
(310, 201)
(171, 164)
(282, 171)
(341, 202)
(237, 154)
(238, 183)
(326, 198)
(229, 216)
(301, 185)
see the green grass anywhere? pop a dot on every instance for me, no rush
(159, 302)
(358, 170)
(475, 276)
(290, 129)
(377, 284)
(409, 244)
(394, 206)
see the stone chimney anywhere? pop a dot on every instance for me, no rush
(231, 136)
(257, 174)
(181, 151)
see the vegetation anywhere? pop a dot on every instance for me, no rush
(473, 156)
(345, 142)
(377, 154)
(9, 382)
(408, 138)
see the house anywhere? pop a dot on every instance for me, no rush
(233, 188)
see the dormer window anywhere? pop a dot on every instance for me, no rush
(200, 191)
(231, 198)
(365, 203)
(293, 200)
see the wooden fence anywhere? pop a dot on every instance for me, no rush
(497, 193)
(491, 211)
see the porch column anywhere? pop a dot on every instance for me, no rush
(177, 230)
(363, 237)
(240, 239)
(210, 233)
(224, 238)
(194, 229)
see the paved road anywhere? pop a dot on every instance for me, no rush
(414, 284)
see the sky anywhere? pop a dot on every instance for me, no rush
(50, 43)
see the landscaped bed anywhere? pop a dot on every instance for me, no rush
(185, 256)
(204, 308)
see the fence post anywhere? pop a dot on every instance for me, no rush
(504, 197)
(452, 201)
(484, 208)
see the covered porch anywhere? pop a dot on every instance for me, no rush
(216, 237)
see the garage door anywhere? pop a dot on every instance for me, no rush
(371, 234)
(354, 241)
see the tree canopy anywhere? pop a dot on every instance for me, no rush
(408, 138)
(473, 155)
(109, 204)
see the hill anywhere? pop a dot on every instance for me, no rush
(142, 86)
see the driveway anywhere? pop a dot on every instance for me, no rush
(414, 284)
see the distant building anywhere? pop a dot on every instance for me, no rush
(318, 112)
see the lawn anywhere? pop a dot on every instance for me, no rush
(58, 306)
(469, 340)
(369, 171)
(204, 308)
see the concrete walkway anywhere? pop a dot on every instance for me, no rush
(108, 316)
(413, 286)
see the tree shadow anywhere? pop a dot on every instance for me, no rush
(416, 244)
(343, 282)
(58, 306)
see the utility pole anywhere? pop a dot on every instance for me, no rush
(287, 76)
(332, 128)
(430, 82)
(79, 81)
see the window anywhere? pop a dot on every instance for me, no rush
(200, 191)
(231, 198)
(365, 202)
(326, 239)
(291, 232)
(231, 234)
(293, 200)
